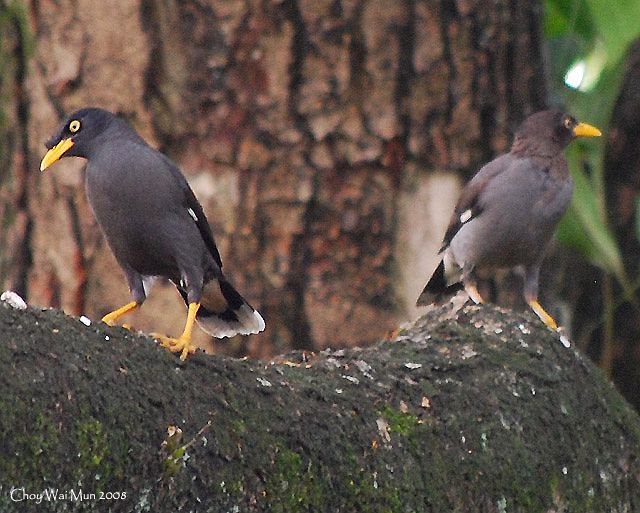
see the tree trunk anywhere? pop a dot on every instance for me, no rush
(325, 139)
(473, 410)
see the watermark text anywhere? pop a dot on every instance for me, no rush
(21, 494)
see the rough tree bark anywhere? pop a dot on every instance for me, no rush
(325, 138)
(473, 410)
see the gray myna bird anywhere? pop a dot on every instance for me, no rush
(507, 213)
(154, 224)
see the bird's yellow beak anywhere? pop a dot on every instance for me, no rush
(585, 130)
(55, 153)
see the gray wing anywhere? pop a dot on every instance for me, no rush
(469, 205)
(196, 212)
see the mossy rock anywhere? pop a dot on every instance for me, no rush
(478, 409)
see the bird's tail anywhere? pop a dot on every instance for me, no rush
(224, 312)
(438, 287)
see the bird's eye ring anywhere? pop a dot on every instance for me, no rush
(568, 123)
(74, 126)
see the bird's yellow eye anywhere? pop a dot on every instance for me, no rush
(568, 123)
(74, 126)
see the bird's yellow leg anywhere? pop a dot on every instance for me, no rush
(544, 316)
(112, 317)
(183, 343)
(473, 293)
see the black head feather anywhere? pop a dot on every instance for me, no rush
(83, 127)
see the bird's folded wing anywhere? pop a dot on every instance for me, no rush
(193, 207)
(469, 205)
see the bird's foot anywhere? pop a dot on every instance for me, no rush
(543, 315)
(473, 293)
(111, 318)
(125, 325)
(180, 345)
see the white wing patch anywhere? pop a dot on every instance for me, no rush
(465, 216)
(148, 282)
(192, 214)
(452, 269)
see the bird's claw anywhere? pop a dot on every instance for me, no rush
(474, 294)
(543, 315)
(180, 345)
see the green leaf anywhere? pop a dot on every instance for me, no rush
(584, 228)
(616, 22)
(568, 18)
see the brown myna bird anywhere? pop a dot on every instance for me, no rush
(506, 215)
(153, 223)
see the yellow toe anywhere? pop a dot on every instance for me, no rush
(112, 317)
(473, 293)
(543, 315)
(183, 344)
(180, 345)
